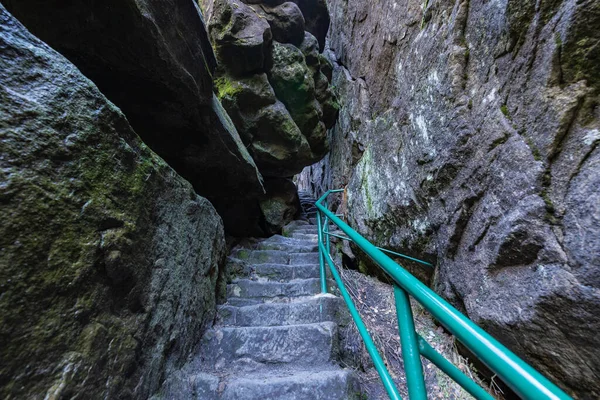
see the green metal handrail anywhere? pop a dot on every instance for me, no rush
(517, 374)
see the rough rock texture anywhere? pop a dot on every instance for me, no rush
(277, 336)
(315, 13)
(286, 22)
(153, 59)
(108, 259)
(266, 126)
(275, 86)
(317, 18)
(280, 205)
(277, 117)
(242, 38)
(293, 83)
(468, 134)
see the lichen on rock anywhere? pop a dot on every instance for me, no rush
(467, 136)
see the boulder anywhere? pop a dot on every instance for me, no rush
(109, 259)
(266, 127)
(286, 21)
(310, 48)
(280, 205)
(294, 85)
(241, 37)
(153, 59)
(316, 16)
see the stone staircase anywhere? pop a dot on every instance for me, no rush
(276, 337)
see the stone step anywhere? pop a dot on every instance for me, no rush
(283, 243)
(295, 224)
(265, 384)
(287, 240)
(278, 272)
(258, 289)
(305, 236)
(262, 256)
(227, 348)
(304, 258)
(319, 308)
(304, 385)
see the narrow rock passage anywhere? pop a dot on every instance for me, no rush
(276, 337)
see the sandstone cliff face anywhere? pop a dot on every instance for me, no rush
(108, 258)
(153, 59)
(469, 134)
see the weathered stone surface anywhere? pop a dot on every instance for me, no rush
(266, 127)
(474, 142)
(310, 385)
(242, 38)
(153, 59)
(280, 205)
(316, 16)
(274, 338)
(108, 259)
(286, 21)
(310, 311)
(294, 85)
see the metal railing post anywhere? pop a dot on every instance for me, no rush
(378, 362)
(327, 238)
(410, 347)
(321, 259)
(454, 373)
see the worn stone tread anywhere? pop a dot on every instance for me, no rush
(262, 256)
(287, 272)
(253, 289)
(305, 344)
(319, 308)
(303, 385)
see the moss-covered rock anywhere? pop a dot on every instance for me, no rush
(154, 60)
(580, 54)
(108, 260)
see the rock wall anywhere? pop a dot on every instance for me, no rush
(153, 59)
(468, 135)
(108, 258)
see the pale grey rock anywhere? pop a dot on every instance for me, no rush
(472, 142)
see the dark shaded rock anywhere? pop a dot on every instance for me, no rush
(108, 260)
(480, 151)
(286, 21)
(310, 49)
(326, 66)
(277, 143)
(242, 38)
(280, 205)
(316, 16)
(278, 146)
(292, 79)
(580, 45)
(153, 59)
